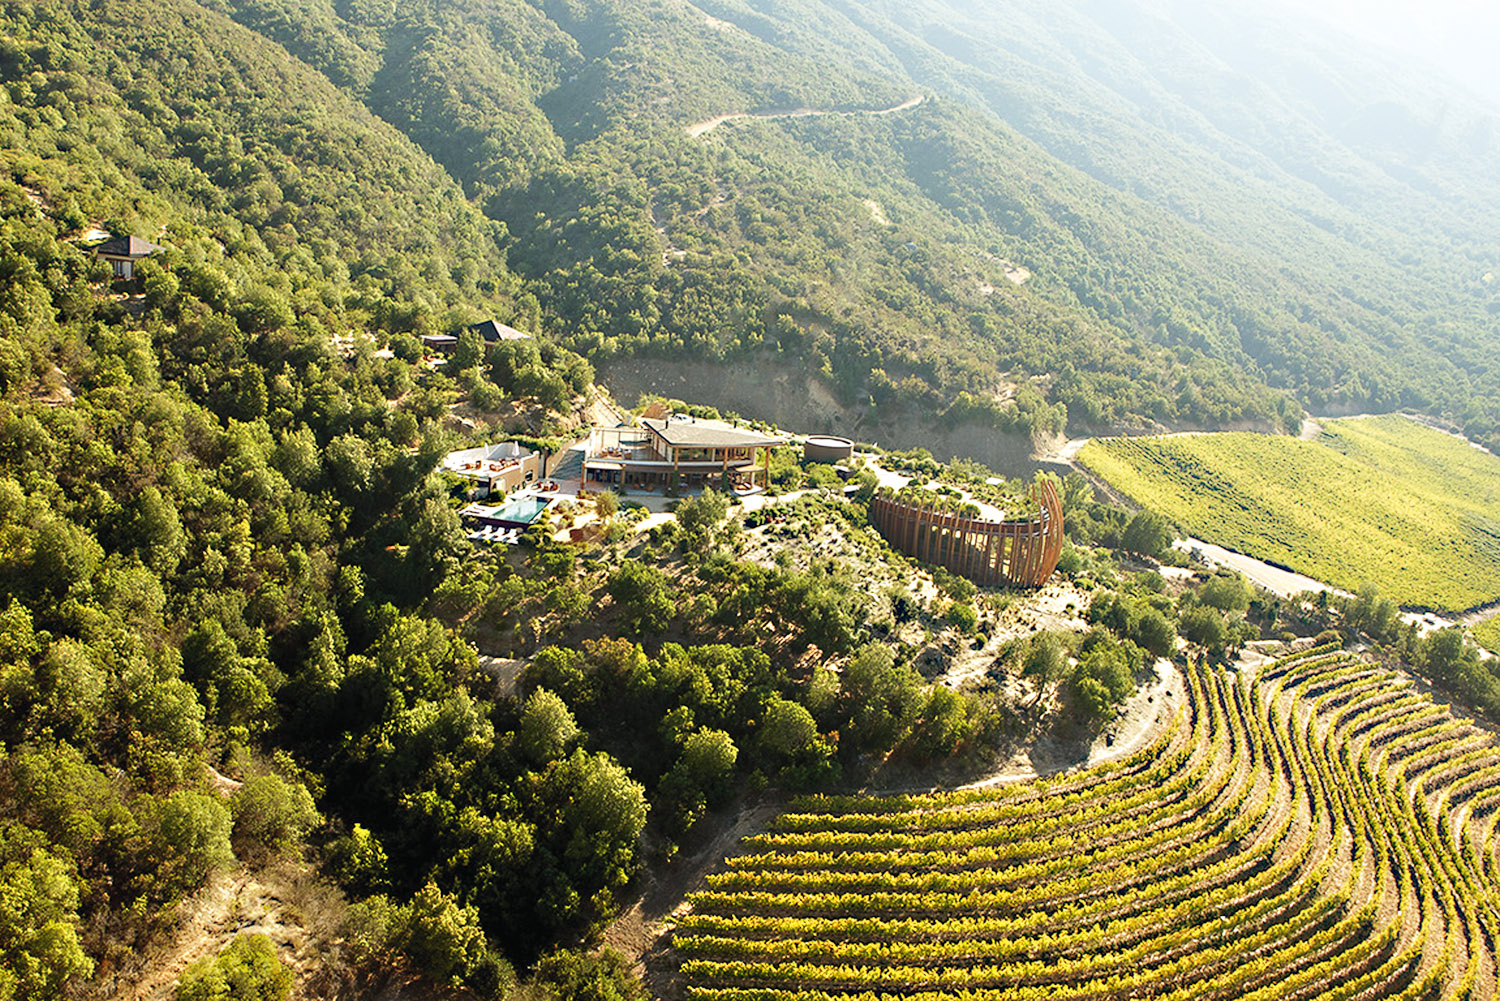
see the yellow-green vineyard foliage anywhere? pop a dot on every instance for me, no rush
(1372, 499)
(1323, 831)
(1487, 634)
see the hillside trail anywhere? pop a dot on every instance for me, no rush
(707, 125)
(641, 930)
(207, 921)
(203, 919)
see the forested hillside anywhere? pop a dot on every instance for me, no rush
(1222, 214)
(1208, 231)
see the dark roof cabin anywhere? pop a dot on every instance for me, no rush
(122, 252)
(494, 330)
(441, 344)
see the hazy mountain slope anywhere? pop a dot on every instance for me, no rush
(642, 174)
(1213, 214)
(1274, 252)
(1365, 188)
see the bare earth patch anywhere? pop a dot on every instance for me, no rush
(1144, 716)
(283, 902)
(1057, 607)
(877, 212)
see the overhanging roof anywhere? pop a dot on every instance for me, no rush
(494, 330)
(706, 434)
(127, 246)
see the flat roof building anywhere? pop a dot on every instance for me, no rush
(440, 344)
(506, 467)
(693, 452)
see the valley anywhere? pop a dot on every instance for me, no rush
(468, 472)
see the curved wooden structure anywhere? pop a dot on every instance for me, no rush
(1014, 553)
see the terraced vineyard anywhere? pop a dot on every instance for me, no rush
(1324, 831)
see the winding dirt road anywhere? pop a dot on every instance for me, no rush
(709, 124)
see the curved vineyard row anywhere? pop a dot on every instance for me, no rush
(1323, 831)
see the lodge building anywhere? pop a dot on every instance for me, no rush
(680, 449)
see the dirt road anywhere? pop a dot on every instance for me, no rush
(709, 124)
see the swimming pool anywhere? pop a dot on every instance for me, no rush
(521, 510)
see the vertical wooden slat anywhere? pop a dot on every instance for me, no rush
(989, 553)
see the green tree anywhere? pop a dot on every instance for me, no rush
(247, 969)
(1046, 661)
(1091, 699)
(1206, 627)
(947, 721)
(787, 728)
(547, 727)
(359, 861)
(469, 353)
(1369, 613)
(698, 516)
(1447, 657)
(882, 700)
(157, 531)
(962, 617)
(594, 816)
(1077, 493)
(708, 759)
(1147, 534)
(643, 595)
(1154, 632)
(272, 815)
(1228, 592)
(701, 776)
(606, 504)
(40, 951)
(192, 839)
(575, 975)
(1103, 677)
(263, 310)
(442, 937)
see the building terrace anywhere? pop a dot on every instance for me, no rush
(680, 449)
(504, 467)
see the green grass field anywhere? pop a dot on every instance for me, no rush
(1379, 499)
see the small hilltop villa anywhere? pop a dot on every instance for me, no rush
(503, 468)
(677, 449)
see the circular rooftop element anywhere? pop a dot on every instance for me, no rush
(827, 448)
